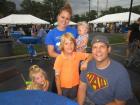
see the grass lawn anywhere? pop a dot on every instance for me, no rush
(113, 38)
(19, 49)
(116, 39)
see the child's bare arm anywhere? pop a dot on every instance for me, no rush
(57, 80)
(85, 62)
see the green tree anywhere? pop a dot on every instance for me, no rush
(48, 9)
(31, 7)
(75, 18)
(11, 7)
(112, 10)
(104, 12)
(53, 7)
(83, 17)
(93, 14)
(136, 9)
(26, 6)
(115, 9)
(7, 8)
(2, 7)
(35, 8)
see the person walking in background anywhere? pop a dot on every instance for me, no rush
(33, 30)
(6, 31)
(82, 39)
(21, 31)
(133, 36)
(38, 79)
(66, 67)
(52, 39)
(105, 82)
(41, 31)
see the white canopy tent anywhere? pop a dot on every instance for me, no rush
(22, 19)
(117, 17)
(70, 23)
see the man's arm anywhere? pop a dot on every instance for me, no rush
(117, 102)
(128, 35)
(81, 93)
(51, 51)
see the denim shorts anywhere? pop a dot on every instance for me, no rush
(70, 92)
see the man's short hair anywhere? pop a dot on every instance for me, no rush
(100, 38)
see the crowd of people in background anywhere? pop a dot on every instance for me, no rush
(37, 29)
(26, 30)
(116, 27)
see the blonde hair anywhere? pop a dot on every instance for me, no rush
(66, 7)
(34, 69)
(65, 36)
(83, 23)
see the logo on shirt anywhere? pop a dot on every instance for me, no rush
(58, 44)
(96, 81)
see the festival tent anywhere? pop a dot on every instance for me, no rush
(22, 19)
(70, 23)
(117, 17)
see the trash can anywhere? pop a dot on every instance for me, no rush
(6, 47)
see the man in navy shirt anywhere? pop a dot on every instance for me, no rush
(105, 82)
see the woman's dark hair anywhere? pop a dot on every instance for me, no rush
(66, 7)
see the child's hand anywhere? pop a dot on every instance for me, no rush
(83, 65)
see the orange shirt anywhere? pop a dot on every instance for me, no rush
(68, 69)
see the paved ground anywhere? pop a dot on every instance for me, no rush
(118, 53)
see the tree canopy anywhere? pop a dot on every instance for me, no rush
(48, 10)
(7, 7)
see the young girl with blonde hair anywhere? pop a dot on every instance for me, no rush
(38, 79)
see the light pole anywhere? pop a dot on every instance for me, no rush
(97, 7)
(106, 4)
(52, 12)
(89, 10)
(130, 10)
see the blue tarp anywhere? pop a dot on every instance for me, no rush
(33, 97)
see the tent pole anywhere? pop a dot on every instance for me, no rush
(130, 10)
